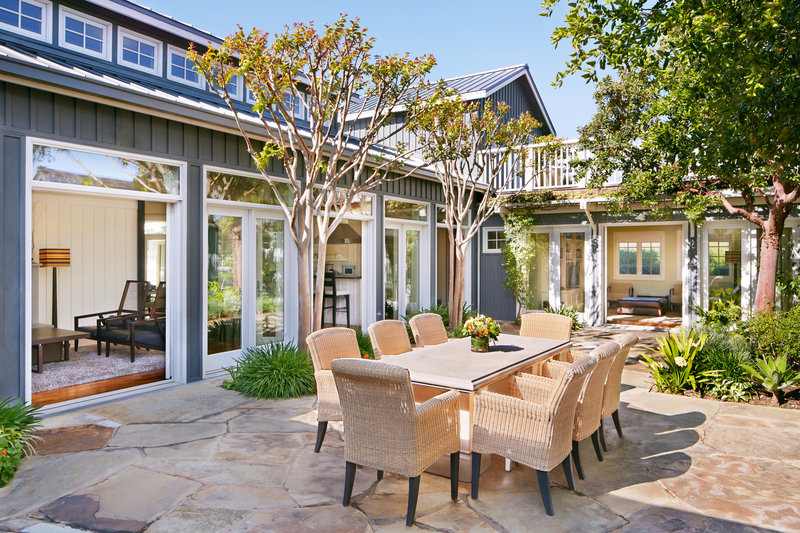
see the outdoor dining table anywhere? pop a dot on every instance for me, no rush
(453, 366)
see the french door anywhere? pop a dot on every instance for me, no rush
(246, 273)
(406, 267)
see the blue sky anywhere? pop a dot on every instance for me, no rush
(464, 37)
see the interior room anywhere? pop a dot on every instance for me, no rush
(343, 274)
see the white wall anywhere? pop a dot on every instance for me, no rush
(101, 236)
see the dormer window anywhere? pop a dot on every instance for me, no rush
(234, 88)
(26, 17)
(182, 69)
(139, 52)
(85, 34)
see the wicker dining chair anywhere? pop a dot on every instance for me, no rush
(389, 337)
(613, 384)
(384, 429)
(326, 345)
(428, 329)
(546, 326)
(535, 431)
(590, 401)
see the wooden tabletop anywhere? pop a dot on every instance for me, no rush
(49, 334)
(453, 365)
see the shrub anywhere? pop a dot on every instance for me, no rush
(723, 311)
(17, 423)
(676, 370)
(725, 351)
(566, 310)
(774, 334)
(774, 375)
(365, 345)
(279, 370)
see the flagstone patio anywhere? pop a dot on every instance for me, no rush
(200, 458)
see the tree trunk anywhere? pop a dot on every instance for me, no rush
(319, 285)
(768, 267)
(456, 300)
(303, 294)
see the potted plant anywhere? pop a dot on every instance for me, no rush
(481, 328)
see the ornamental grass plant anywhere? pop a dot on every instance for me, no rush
(278, 370)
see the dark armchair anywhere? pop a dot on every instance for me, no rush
(147, 331)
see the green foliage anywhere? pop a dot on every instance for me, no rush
(773, 374)
(518, 254)
(727, 390)
(722, 360)
(566, 310)
(674, 370)
(724, 310)
(774, 334)
(482, 326)
(365, 345)
(279, 370)
(17, 423)
(223, 302)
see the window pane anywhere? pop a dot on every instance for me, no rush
(539, 273)
(627, 258)
(32, 11)
(147, 50)
(74, 167)
(31, 25)
(572, 279)
(95, 32)
(9, 18)
(651, 258)
(412, 271)
(74, 38)
(130, 44)
(224, 283)
(724, 265)
(94, 45)
(73, 25)
(269, 281)
(129, 56)
(406, 210)
(222, 186)
(146, 62)
(11, 5)
(391, 265)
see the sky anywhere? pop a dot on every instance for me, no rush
(464, 36)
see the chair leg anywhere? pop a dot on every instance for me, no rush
(380, 475)
(349, 479)
(567, 465)
(603, 436)
(413, 495)
(576, 457)
(347, 306)
(454, 460)
(476, 473)
(596, 444)
(322, 427)
(544, 488)
(615, 417)
(108, 348)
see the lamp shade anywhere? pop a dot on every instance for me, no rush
(733, 257)
(54, 257)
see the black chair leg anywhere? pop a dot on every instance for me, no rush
(349, 479)
(615, 417)
(454, 460)
(576, 457)
(476, 473)
(380, 475)
(347, 307)
(603, 436)
(322, 427)
(596, 444)
(567, 465)
(413, 495)
(544, 488)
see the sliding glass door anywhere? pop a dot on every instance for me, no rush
(403, 269)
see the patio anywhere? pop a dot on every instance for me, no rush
(200, 458)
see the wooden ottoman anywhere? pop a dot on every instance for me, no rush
(642, 305)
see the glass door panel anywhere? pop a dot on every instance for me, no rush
(269, 320)
(573, 287)
(224, 283)
(412, 276)
(539, 273)
(724, 265)
(391, 269)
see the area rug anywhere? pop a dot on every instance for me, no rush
(84, 366)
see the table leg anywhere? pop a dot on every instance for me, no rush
(39, 359)
(66, 350)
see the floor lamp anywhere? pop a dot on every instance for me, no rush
(54, 257)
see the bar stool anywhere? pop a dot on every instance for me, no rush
(331, 294)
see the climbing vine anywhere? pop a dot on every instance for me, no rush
(518, 253)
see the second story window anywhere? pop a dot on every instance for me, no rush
(85, 34)
(26, 17)
(139, 52)
(181, 68)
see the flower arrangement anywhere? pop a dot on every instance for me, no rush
(482, 328)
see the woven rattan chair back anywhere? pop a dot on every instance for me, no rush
(328, 344)
(590, 402)
(564, 402)
(428, 329)
(546, 326)
(389, 337)
(614, 378)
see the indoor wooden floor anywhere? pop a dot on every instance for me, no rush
(96, 387)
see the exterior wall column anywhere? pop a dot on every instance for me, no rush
(691, 274)
(593, 311)
(196, 285)
(380, 243)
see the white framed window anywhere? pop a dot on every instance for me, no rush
(182, 69)
(27, 17)
(493, 240)
(639, 255)
(85, 34)
(137, 51)
(234, 88)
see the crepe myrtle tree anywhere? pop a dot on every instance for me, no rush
(477, 151)
(329, 161)
(702, 108)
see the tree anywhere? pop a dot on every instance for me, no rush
(704, 105)
(476, 151)
(328, 160)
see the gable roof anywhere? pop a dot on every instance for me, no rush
(473, 87)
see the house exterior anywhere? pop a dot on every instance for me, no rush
(115, 150)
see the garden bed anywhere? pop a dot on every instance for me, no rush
(791, 398)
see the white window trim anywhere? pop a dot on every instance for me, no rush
(405, 200)
(485, 239)
(47, 23)
(640, 237)
(157, 60)
(107, 29)
(183, 53)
